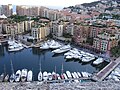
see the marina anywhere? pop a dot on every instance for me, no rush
(43, 72)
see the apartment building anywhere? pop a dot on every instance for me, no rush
(104, 42)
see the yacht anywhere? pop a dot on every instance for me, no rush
(49, 76)
(62, 76)
(98, 61)
(73, 75)
(24, 75)
(29, 76)
(17, 76)
(55, 45)
(79, 74)
(6, 78)
(115, 78)
(65, 76)
(12, 77)
(1, 77)
(13, 46)
(68, 74)
(87, 59)
(84, 74)
(44, 46)
(45, 76)
(58, 76)
(69, 57)
(65, 48)
(54, 75)
(76, 75)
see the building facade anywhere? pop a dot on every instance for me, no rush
(105, 42)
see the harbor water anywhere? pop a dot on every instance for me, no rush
(30, 59)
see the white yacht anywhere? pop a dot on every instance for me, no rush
(13, 46)
(79, 74)
(84, 74)
(76, 75)
(12, 77)
(87, 59)
(65, 48)
(115, 78)
(73, 75)
(68, 74)
(98, 61)
(49, 76)
(17, 76)
(45, 75)
(24, 75)
(69, 57)
(44, 46)
(55, 45)
(29, 76)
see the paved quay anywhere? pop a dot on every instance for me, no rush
(106, 70)
(104, 85)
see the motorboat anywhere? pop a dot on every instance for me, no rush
(45, 75)
(62, 76)
(115, 78)
(17, 76)
(58, 76)
(116, 73)
(1, 77)
(65, 48)
(24, 75)
(69, 57)
(6, 78)
(65, 76)
(87, 59)
(78, 73)
(68, 74)
(54, 76)
(40, 76)
(84, 74)
(49, 76)
(44, 46)
(73, 75)
(29, 76)
(12, 77)
(98, 61)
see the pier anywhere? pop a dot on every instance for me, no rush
(106, 71)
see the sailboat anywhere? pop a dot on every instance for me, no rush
(6, 75)
(40, 76)
(62, 76)
(12, 77)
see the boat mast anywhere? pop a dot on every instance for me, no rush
(12, 67)
(40, 63)
(62, 69)
(4, 69)
(55, 73)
